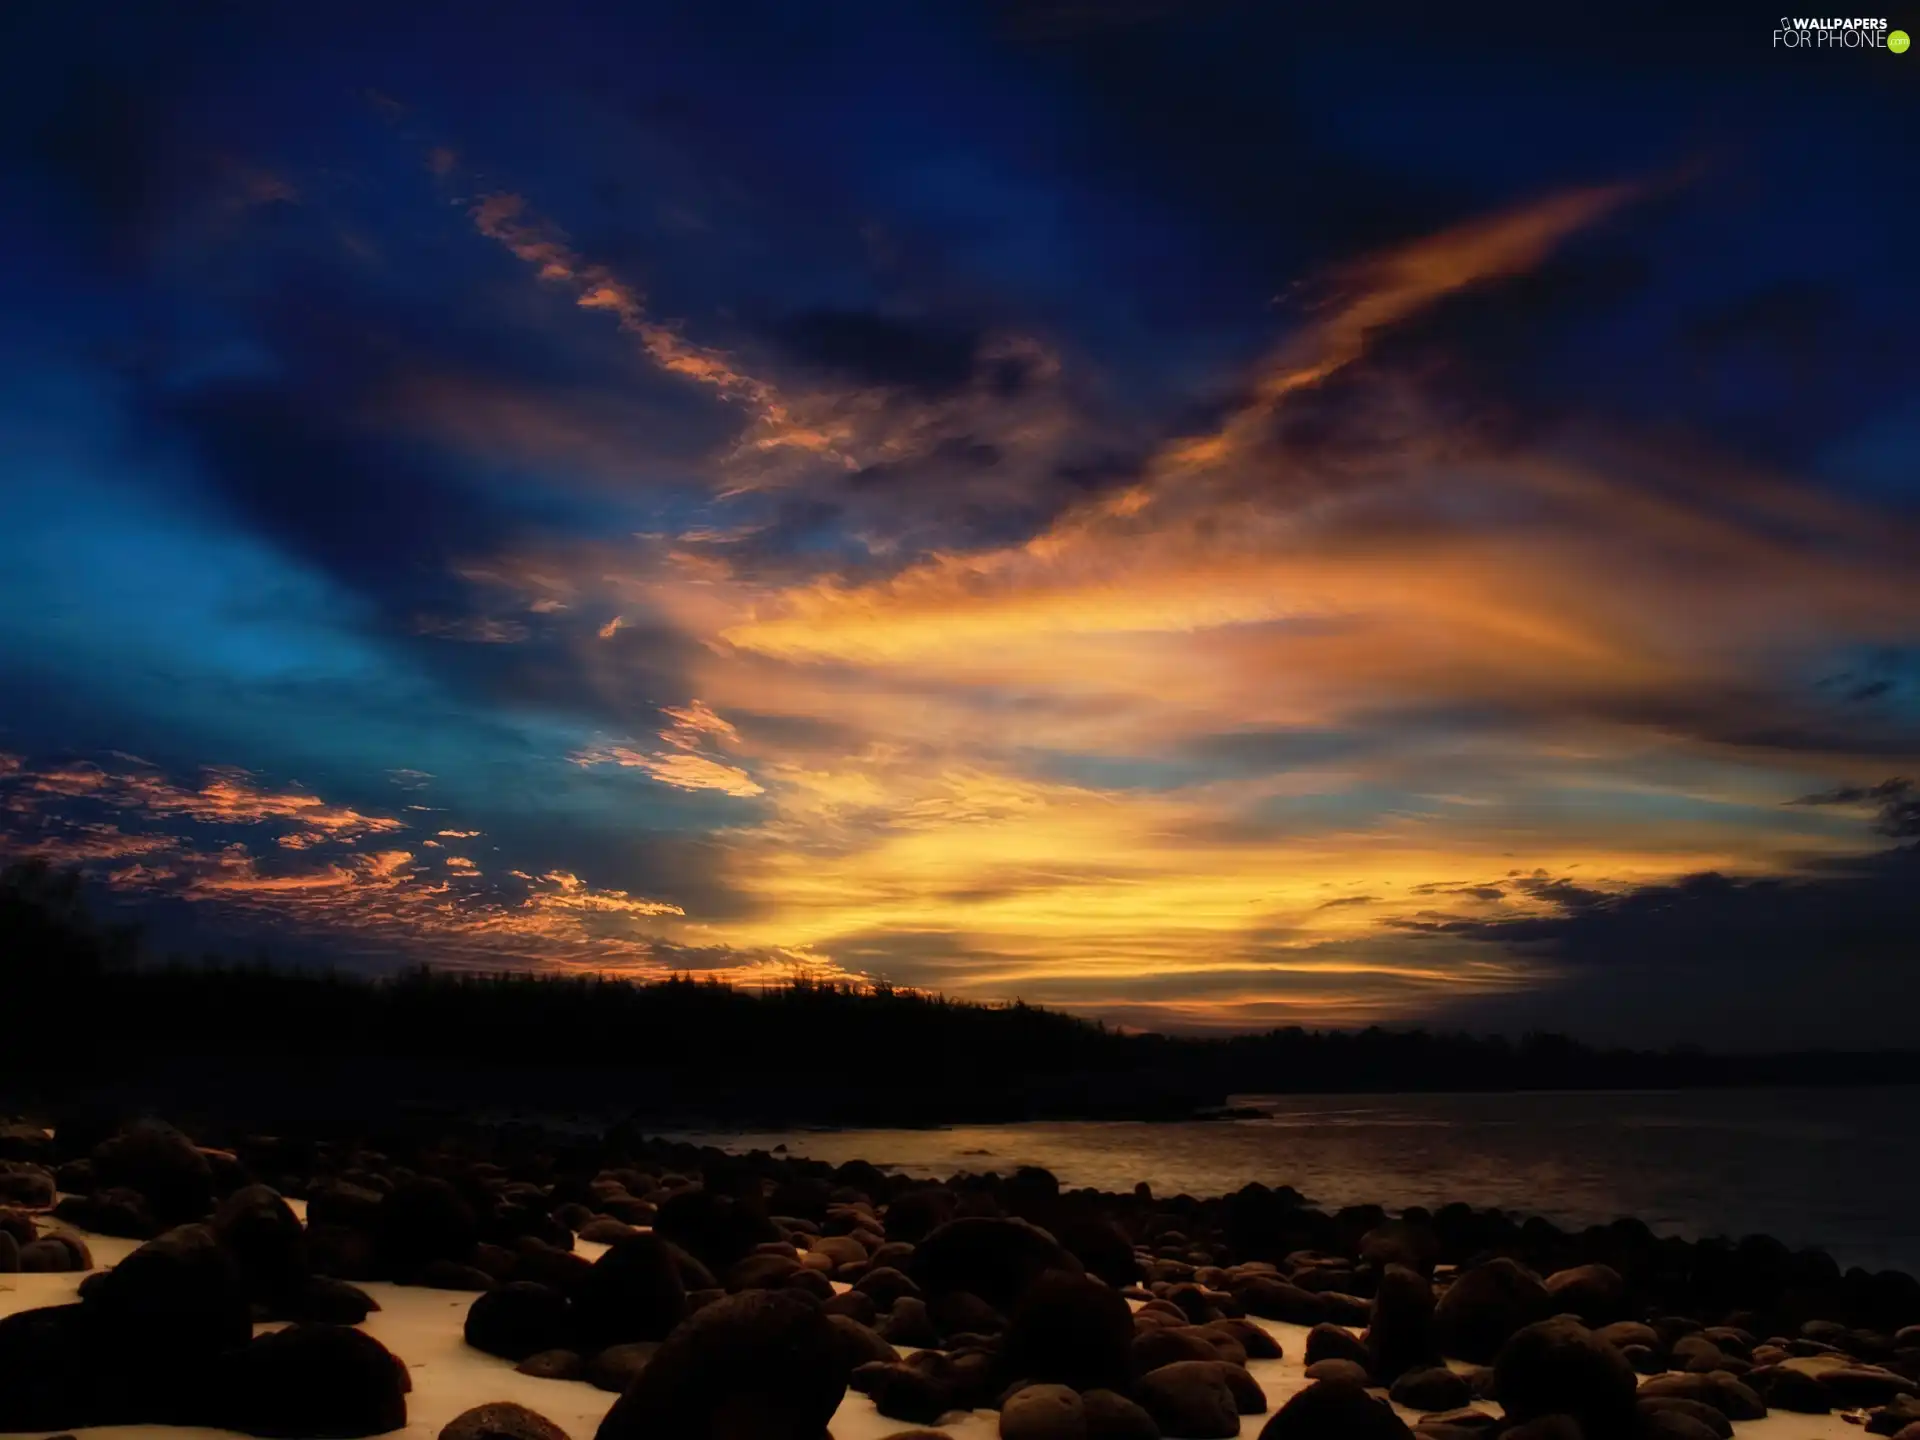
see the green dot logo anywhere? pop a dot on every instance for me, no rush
(1897, 41)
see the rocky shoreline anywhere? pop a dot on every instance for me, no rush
(528, 1285)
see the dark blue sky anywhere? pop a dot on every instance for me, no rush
(1207, 514)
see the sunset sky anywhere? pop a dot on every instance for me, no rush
(1209, 515)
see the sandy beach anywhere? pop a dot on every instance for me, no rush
(423, 1327)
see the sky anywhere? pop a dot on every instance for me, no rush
(1206, 515)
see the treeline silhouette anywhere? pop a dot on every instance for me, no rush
(87, 1012)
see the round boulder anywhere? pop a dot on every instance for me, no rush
(1561, 1367)
(501, 1420)
(762, 1363)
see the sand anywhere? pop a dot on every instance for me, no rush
(423, 1327)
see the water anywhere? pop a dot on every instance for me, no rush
(1835, 1168)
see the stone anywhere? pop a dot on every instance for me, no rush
(1596, 1293)
(886, 1285)
(1071, 1330)
(181, 1294)
(1274, 1299)
(1044, 1412)
(1347, 1372)
(26, 1184)
(1191, 1399)
(860, 1344)
(761, 1365)
(994, 1259)
(501, 1420)
(1333, 1410)
(633, 1292)
(1400, 1336)
(1561, 1367)
(616, 1367)
(518, 1320)
(424, 1220)
(1432, 1387)
(1112, 1416)
(162, 1165)
(553, 1365)
(314, 1382)
(324, 1300)
(1703, 1414)
(1483, 1306)
(1722, 1391)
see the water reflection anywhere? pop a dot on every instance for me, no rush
(1835, 1168)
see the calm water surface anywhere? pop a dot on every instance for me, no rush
(1834, 1168)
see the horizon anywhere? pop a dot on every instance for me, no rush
(1203, 520)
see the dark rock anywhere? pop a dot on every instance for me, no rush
(1483, 1306)
(1401, 1242)
(1350, 1372)
(1191, 1399)
(340, 1202)
(886, 1285)
(24, 1183)
(424, 1220)
(1722, 1391)
(181, 1293)
(1561, 1367)
(1433, 1387)
(1071, 1330)
(162, 1164)
(1333, 1410)
(117, 1211)
(756, 1366)
(616, 1367)
(859, 1344)
(1671, 1425)
(1257, 1343)
(324, 1301)
(260, 1230)
(1275, 1299)
(909, 1323)
(1044, 1412)
(316, 1382)
(1785, 1388)
(1103, 1248)
(1401, 1335)
(1894, 1417)
(1159, 1346)
(994, 1259)
(853, 1305)
(501, 1420)
(518, 1320)
(1546, 1427)
(452, 1275)
(605, 1230)
(962, 1312)
(1859, 1385)
(633, 1292)
(1703, 1414)
(904, 1392)
(342, 1252)
(1335, 1342)
(1622, 1333)
(1596, 1293)
(718, 1230)
(1643, 1359)
(1111, 1416)
(51, 1375)
(553, 1365)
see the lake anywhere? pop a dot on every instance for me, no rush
(1837, 1168)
